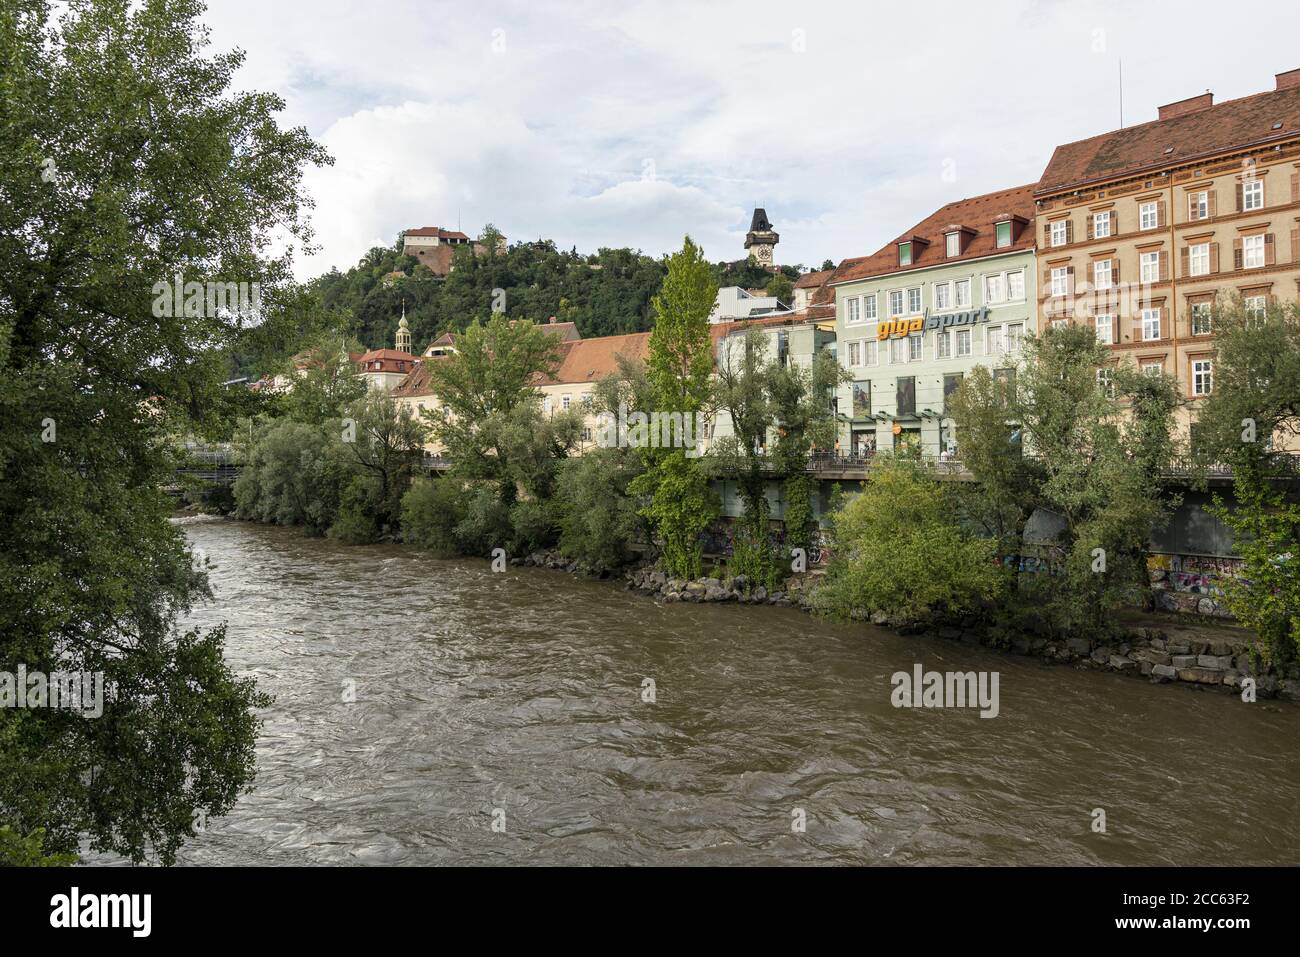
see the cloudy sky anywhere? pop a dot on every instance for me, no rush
(633, 123)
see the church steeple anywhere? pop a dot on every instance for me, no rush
(761, 239)
(403, 333)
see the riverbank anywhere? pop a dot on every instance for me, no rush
(1161, 649)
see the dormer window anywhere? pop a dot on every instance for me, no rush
(905, 254)
(952, 244)
(1003, 234)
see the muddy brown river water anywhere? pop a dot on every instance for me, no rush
(517, 698)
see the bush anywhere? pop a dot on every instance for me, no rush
(295, 476)
(360, 504)
(598, 519)
(431, 509)
(900, 551)
(29, 851)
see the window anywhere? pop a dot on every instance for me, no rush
(906, 395)
(1101, 274)
(1200, 318)
(994, 288)
(896, 353)
(1198, 260)
(1252, 195)
(869, 308)
(914, 300)
(855, 354)
(952, 244)
(942, 296)
(1105, 329)
(896, 302)
(905, 254)
(564, 402)
(1016, 285)
(1061, 281)
(1252, 251)
(1256, 306)
(862, 399)
(1198, 205)
(1015, 333)
(586, 400)
(1101, 225)
(1058, 232)
(1150, 324)
(963, 342)
(1202, 377)
(915, 345)
(870, 356)
(994, 340)
(852, 310)
(546, 405)
(1148, 216)
(943, 345)
(961, 293)
(1153, 370)
(1150, 267)
(951, 383)
(1002, 232)
(1104, 382)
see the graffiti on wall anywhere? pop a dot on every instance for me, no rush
(1192, 583)
(720, 539)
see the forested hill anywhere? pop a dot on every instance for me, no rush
(605, 293)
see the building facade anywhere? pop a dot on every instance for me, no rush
(1140, 230)
(956, 291)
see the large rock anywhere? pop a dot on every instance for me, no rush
(1120, 663)
(1214, 662)
(1203, 676)
(1080, 646)
(1165, 672)
(1154, 656)
(1184, 661)
(1178, 646)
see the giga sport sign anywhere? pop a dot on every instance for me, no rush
(905, 327)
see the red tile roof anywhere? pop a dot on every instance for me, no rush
(589, 360)
(416, 382)
(390, 360)
(437, 231)
(812, 279)
(979, 213)
(1230, 125)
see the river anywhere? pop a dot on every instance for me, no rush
(517, 698)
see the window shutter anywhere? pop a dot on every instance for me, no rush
(1162, 267)
(1069, 279)
(1069, 231)
(1270, 253)
(1114, 329)
(1193, 213)
(1240, 201)
(1212, 203)
(1164, 322)
(1236, 247)
(1295, 187)
(1047, 235)
(1214, 257)
(1110, 219)
(1184, 264)
(1160, 213)
(1088, 223)
(1295, 244)
(1047, 280)
(1114, 272)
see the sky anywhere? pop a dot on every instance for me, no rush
(606, 124)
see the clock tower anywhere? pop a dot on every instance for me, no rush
(761, 239)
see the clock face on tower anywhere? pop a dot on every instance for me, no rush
(763, 254)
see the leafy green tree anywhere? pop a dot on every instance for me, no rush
(125, 160)
(1255, 407)
(899, 550)
(1092, 457)
(599, 519)
(680, 503)
(386, 442)
(294, 474)
(324, 380)
(781, 287)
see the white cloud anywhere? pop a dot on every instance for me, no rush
(542, 119)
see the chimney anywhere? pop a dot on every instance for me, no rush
(1289, 80)
(1193, 104)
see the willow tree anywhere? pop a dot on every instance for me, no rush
(127, 166)
(680, 505)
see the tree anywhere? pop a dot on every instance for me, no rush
(124, 161)
(1254, 407)
(387, 443)
(781, 287)
(324, 380)
(681, 505)
(1093, 448)
(899, 550)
